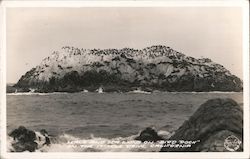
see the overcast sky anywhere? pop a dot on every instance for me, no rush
(34, 33)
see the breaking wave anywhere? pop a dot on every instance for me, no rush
(29, 93)
(140, 92)
(131, 92)
(70, 143)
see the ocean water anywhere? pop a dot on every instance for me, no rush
(84, 121)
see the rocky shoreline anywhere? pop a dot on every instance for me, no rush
(108, 89)
(211, 124)
(216, 126)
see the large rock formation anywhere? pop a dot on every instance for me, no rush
(217, 126)
(156, 67)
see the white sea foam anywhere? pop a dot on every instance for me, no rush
(29, 93)
(69, 143)
(212, 92)
(120, 144)
(140, 92)
(134, 91)
(9, 142)
(85, 91)
(164, 134)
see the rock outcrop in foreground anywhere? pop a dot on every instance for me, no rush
(156, 67)
(217, 124)
(149, 134)
(28, 140)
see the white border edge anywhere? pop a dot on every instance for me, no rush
(3, 81)
(5, 4)
(246, 88)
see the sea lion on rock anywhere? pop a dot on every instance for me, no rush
(217, 126)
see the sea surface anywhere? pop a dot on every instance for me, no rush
(84, 121)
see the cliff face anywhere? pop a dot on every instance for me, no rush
(156, 67)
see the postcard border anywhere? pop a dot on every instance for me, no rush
(9, 4)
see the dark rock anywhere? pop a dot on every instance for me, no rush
(23, 135)
(216, 142)
(149, 134)
(28, 140)
(211, 125)
(45, 134)
(25, 146)
(24, 139)
(12, 89)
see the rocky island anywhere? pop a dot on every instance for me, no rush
(153, 68)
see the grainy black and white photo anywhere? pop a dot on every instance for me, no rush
(124, 79)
